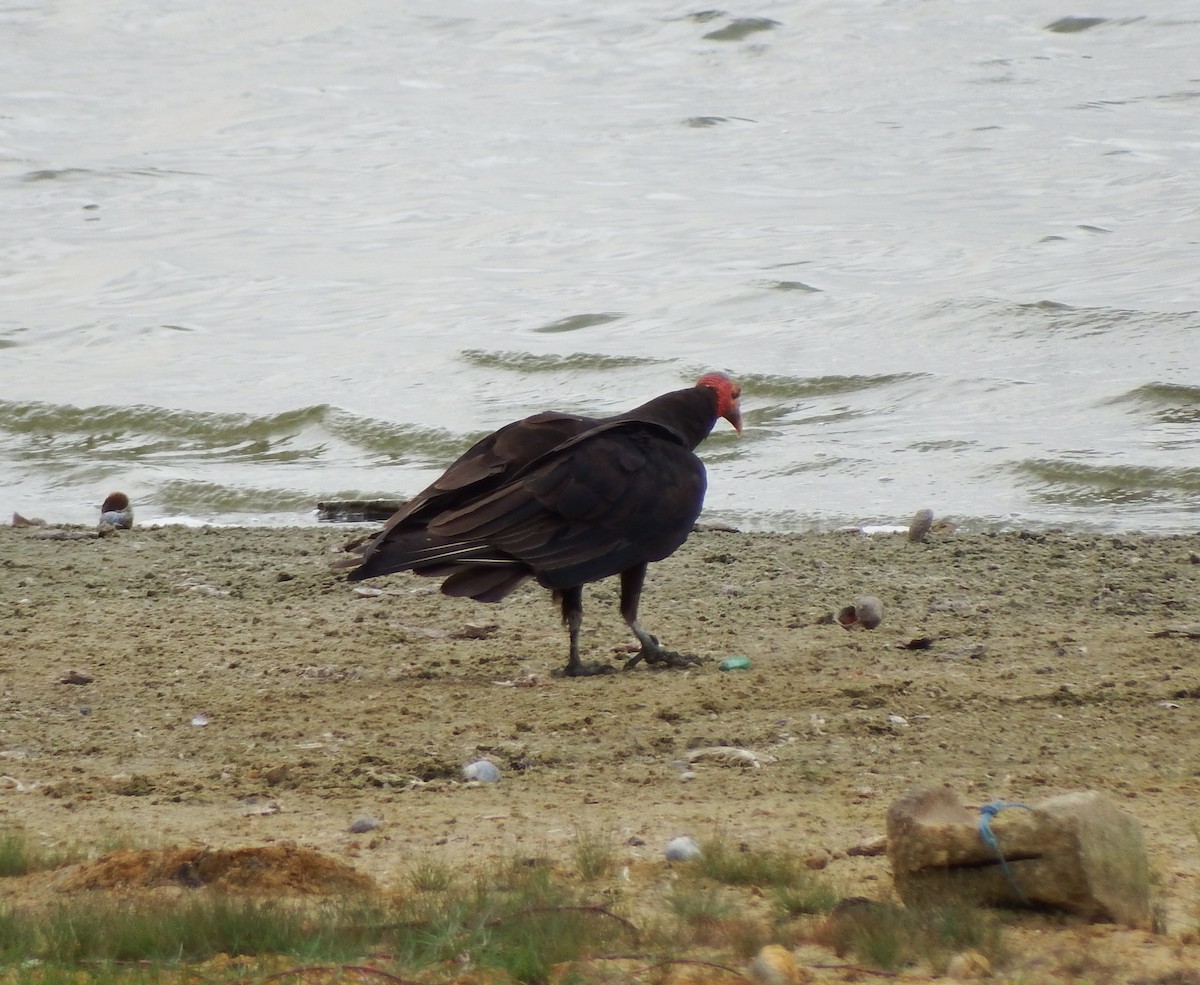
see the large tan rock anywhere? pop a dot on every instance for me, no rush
(1078, 852)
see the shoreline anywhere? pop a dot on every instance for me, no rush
(875, 527)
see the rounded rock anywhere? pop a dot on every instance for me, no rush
(774, 965)
(482, 771)
(920, 526)
(682, 849)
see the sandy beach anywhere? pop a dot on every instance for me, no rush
(171, 686)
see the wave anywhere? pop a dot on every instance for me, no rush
(138, 432)
(528, 362)
(765, 387)
(1081, 486)
(1168, 403)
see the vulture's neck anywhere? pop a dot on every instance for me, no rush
(689, 413)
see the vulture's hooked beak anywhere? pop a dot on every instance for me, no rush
(734, 417)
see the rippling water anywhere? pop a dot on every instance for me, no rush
(261, 255)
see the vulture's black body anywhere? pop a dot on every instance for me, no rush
(565, 500)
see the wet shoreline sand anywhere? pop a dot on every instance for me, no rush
(233, 690)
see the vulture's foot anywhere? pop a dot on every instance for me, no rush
(585, 670)
(655, 655)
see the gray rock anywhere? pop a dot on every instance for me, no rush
(481, 771)
(682, 849)
(919, 528)
(1078, 852)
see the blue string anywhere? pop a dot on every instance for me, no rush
(986, 813)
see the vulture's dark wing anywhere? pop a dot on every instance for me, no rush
(621, 494)
(491, 461)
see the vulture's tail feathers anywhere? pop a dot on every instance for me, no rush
(424, 554)
(484, 583)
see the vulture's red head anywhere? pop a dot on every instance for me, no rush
(728, 393)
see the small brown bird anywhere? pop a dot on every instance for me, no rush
(565, 500)
(116, 513)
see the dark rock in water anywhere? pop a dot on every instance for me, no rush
(1073, 25)
(740, 28)
(1078, 852)
(357, 510)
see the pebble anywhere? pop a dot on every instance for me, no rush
(363, 824)
(969, 966)
(774, 965)
(682, 849)
(481, 771)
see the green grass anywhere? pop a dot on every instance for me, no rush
(595, 855)
(794, 887)
(19, 855)
(520, 918)
(808, 894)
(427, 874)
(93, 929)
(699, 904)
(742, 866)
(894, 937)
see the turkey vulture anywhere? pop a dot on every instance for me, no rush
(565, 500)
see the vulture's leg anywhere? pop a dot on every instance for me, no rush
(652, 651)
(571, 600)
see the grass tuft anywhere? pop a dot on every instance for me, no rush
(595, 855)
(19, 855)
(427, 874)
(744, 866)
(893, 937)
(89, 930)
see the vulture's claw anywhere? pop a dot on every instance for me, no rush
(585, 670)
(657, 656)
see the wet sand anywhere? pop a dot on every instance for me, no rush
(231, 690)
